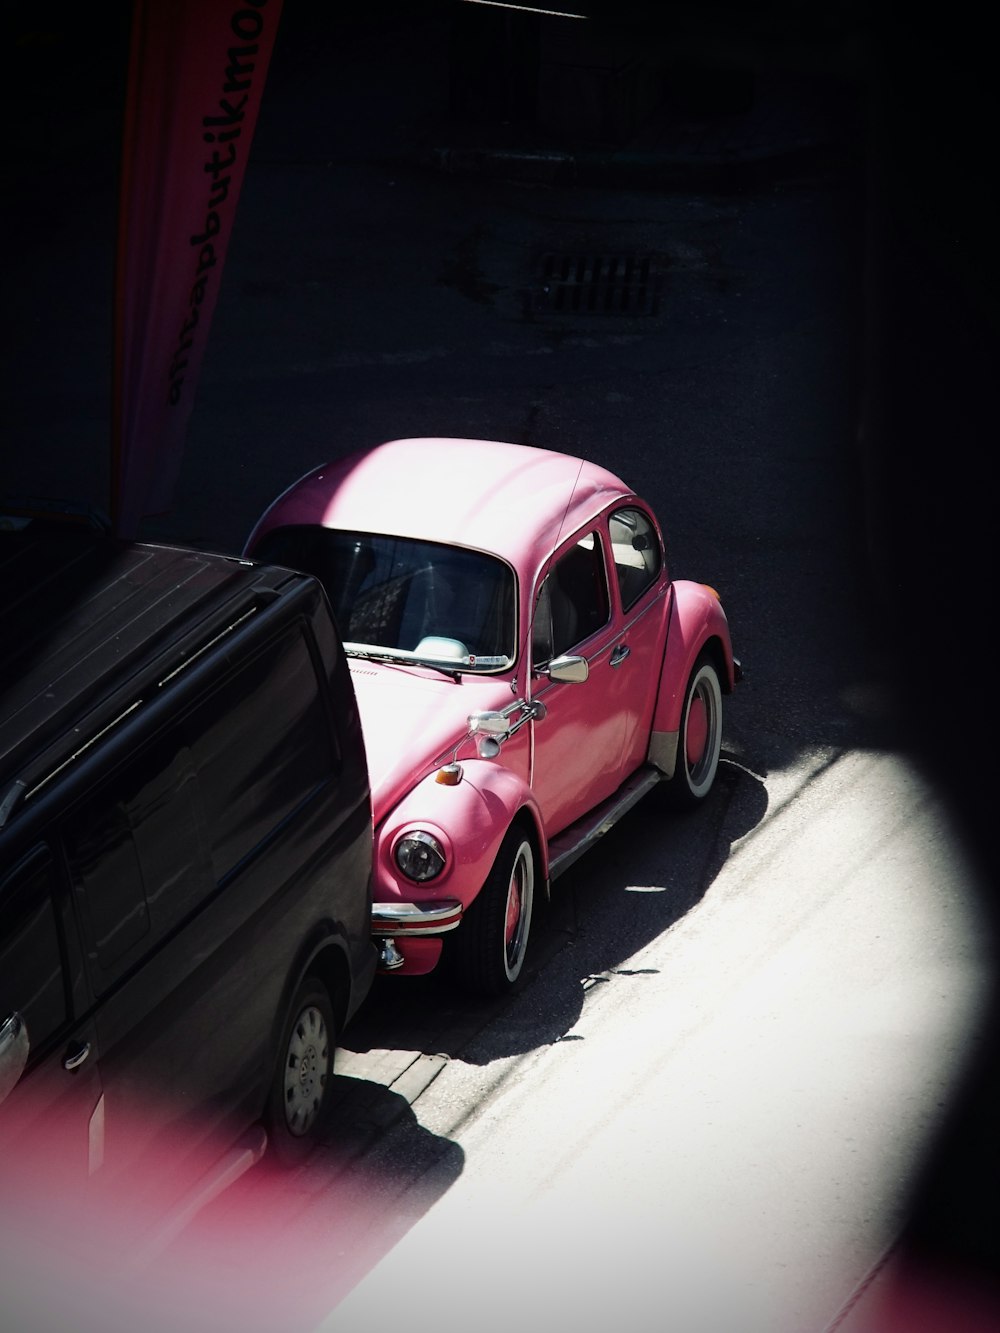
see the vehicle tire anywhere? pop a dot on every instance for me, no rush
(700, 741)
(299, 1101)
(489, 946)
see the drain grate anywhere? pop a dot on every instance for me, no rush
(597, 284)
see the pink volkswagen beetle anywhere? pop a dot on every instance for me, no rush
(525, 667)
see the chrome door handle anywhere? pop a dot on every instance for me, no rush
(76, 1055)
(620, 654)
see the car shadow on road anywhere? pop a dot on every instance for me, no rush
(281, 1247)
(643, 877)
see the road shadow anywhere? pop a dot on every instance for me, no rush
(277, 1250)
(641, 879)
(282, 1247)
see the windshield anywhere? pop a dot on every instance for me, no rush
(393, 594)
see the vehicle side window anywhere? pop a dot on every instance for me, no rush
(107, 880)
(573, 600)
(541, 626)
(261, 746)
(136, 858)
(635, 547)
(200, 798)
(31, 969)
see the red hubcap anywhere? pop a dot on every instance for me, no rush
(697, 730)
(513, 909)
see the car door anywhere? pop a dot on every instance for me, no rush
(142, 817)
(51, 1104)
(641, 589)
(578, 744)
(198, 873)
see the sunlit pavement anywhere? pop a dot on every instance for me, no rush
(723, 1142)
(742, 1160)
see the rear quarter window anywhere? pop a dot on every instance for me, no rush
(635, 548)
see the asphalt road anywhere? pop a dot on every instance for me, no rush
(738, 1031)
(707, 1105)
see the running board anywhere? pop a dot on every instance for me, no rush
(244, 1154)
(570, 845)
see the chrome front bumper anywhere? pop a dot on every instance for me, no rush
(390, 920)
(430, 918)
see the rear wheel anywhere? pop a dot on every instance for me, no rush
(489, 947)
(700, 741)
(299, 1100)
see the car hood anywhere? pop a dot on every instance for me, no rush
(412, 722)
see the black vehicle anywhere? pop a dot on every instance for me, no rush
(185, 864)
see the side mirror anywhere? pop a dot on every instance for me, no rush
(568, 670)
(14, 1045)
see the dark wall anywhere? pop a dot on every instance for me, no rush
(929, 433)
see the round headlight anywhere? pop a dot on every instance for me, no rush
(420, 856)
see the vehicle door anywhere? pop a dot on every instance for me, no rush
(578, 744)
(141, 817)
(51, 1107)
(194, 878)
(641, 589)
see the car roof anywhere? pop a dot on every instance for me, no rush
(514, 500)
(87, 619)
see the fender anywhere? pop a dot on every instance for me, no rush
(696, 618)
(469, 819)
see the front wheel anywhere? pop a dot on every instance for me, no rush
(700, 741)
(488, 948)
(303, 1077)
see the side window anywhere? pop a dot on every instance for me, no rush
(261, 745)
(194, 802)
(541, 626)
(107, 879)
(162, 808)
(635, 547)
(137, 856)
(31, 970)
(573, 602)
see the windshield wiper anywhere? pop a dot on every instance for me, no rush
(391, 659)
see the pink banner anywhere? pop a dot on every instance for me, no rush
(195, 80)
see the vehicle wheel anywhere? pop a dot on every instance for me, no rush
(700, 740)
(300, 1090)
(489, 946)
